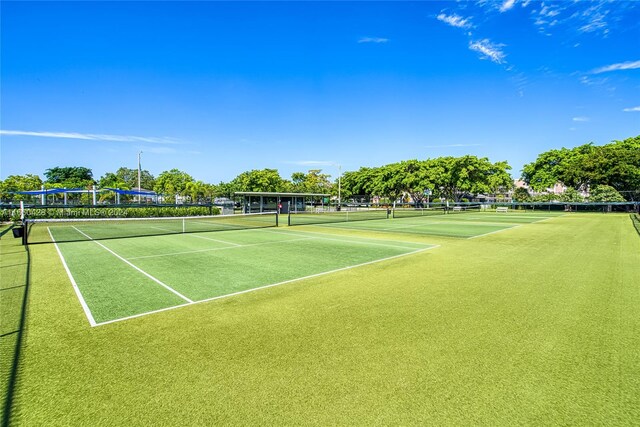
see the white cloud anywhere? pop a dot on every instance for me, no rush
(91, 136)
(506, 5)
(581, 119)
(488, 50)
(454, 20)
(629, 65)
(373, 40)
(632, 109)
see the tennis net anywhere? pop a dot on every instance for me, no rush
(412, 212)
(464, 209)
(324, 217)
(72, 230)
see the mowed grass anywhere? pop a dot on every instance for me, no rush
(13, 279)
(119, 278)
(457, 224)
(534, 325)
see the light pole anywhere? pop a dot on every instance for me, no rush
(339, 184)
(139, 199)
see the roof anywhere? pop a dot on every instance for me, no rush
(259, 193)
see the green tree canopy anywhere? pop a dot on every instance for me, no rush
(265, 180)
(69, 177)
(172, 182)
(128, 179)
(314, 181)
(470, 175)
(616, 164)
(605, 193)
(521, 194)
(19, 183)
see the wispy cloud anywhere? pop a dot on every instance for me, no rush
(632, 109)
(92, 136)
(629, 65)
(581, 119)
(506, 5)
(488, 50)
(373, 40)
(454, 20)
(452, 145)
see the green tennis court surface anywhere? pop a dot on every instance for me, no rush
(436, 223)
(116, 279)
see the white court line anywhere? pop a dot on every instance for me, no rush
(213, 240)
(515, 226)
(83, 303)
(367, 242)
(194, 235)
(136, 268)
(217, 249)
(496, 231)
(265, 286)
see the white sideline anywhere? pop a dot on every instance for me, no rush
(264, 287)
(83, 303)
(169, 288)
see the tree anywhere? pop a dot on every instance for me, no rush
(605, 193)
(130, 177)
(387, 181)
(521, 194)
(416, 178)
(356, 183)
(197, 190)
(571, 195)
(111, 180)
(69, 177)
(616, 164)
(470, 175)
(172, 182)
(19, 183)
(265, 180)
(314, 181)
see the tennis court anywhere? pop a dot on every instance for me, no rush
(171, 264)
(470, 223)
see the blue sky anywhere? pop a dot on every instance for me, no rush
(218, 88)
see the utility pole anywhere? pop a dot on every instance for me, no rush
(139, 198)
(339, 184)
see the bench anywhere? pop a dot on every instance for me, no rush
(502, 209)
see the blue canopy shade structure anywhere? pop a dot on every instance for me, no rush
(50, 191)
(131, 192)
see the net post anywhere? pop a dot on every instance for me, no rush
(289, 219)
(24, 233)
(277, 215)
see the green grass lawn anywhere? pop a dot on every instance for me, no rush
(536, 324)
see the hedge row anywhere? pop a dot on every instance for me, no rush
(106, 212)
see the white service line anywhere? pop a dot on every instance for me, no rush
(515, 226)
(169, 288)
(266, 286)
(365, 242)
(496, 231)
(213, 240)
(218, 249)
(83, 303)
